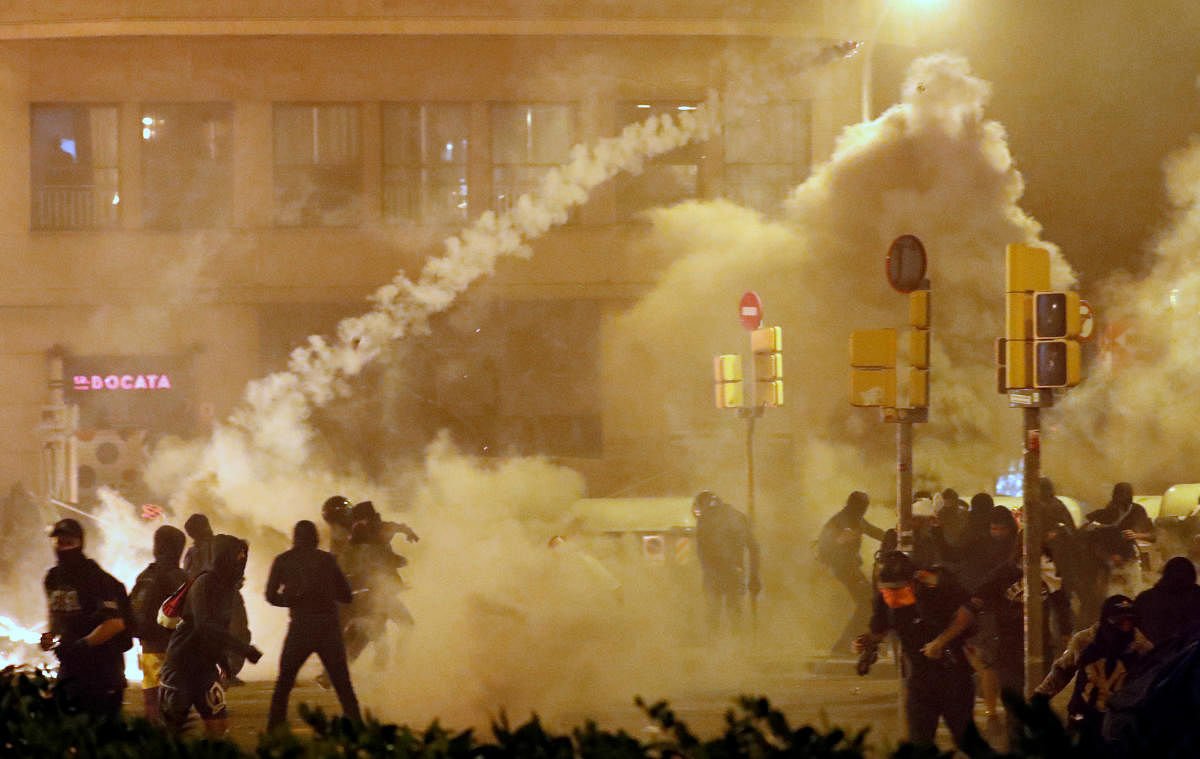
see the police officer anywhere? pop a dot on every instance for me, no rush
(310, 584)
(87, 614)
(929, 612)
(336, 513)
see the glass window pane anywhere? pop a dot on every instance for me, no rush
(187, 165)
(425, 155)
(318, 170)
(74, 178)
(446, 130)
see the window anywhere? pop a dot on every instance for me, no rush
(318, 165)
(527, 140)
(74, 173)
(425, 162)
(767, 153)
(667, 179)
(187, 165)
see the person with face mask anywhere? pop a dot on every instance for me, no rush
(155, 583)
(1099, 659)
(199, 646)
(310, 584)
(930, 614)
(88, 611)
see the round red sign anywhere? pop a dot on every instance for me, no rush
(750, 311)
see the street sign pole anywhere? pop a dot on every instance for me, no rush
(1032, 549)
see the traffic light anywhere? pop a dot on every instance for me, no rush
(1026, 271)
(766, 345)
(918, 349)
(1056, 321)
(873, 367)
(727, 381)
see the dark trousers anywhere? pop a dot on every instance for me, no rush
(861, 593)
(932, 692)
(95, 689)
(320, 635)
(183, 685)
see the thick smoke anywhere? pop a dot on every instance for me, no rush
(1134, 415)
(500, 622)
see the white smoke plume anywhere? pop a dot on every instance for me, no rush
(1134, 414)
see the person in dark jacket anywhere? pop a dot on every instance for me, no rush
(197, 558)
(336, 513)
(1110, 537)
(930, 614)
(839, 547)
(87, 615)
(199, 646)
(310, 584)
(1099, 659)
(156, 582)
(1172, 606)
(729, 558)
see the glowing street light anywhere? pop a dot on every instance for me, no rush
(885, 6)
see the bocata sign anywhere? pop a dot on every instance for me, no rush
(122, 382)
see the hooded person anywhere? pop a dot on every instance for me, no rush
(310, 584)
(1110, 547)
(200, 530)
(1098, 658)
(1172, 606)
(88, 625)
(155, 583)
(373, 570)
(930, 614)
(839, 547)
(729, 559)
(199, 647)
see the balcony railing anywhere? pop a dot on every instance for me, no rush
(70, 207)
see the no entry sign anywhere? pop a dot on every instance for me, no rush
(750, 311)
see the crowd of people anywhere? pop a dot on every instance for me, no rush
(187, 611)
(955, 603)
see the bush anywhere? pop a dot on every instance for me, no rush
(34, 722)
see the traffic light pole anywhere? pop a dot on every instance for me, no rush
(1032, 550)
(750, 413)
(904, 526)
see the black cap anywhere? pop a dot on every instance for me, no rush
(67, 527)
(1116, 607)
(896, 569)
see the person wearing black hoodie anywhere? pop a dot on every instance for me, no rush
(197, 558)
(839, 547)
(1172, 606)
(156, 582)
(310, 584)
(88, 610)
(199, 646)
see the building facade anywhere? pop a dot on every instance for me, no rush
(191, 195)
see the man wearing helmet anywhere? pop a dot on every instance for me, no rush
(1099, 658)
(336, 513)
(930, 615)
(728, 556)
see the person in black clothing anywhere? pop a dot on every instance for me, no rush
(156, 582)
(839, 547)
(88, 634)
(1172, 606)
(930, 613)
(199, 646)
(1099, 658)
(1110, 538)
(728, 556)
(372, 568)
(310, 584)
(336, 513)
(195, 561)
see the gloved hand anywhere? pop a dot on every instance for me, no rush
(73, 650)
(254, 655)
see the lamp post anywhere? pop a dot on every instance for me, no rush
(867, 83)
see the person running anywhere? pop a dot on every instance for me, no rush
(155, 583)
(839, 547)
(309, 583)
(199, 647)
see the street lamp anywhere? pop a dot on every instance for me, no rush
(885, 7)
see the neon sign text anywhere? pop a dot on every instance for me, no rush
(122, 382)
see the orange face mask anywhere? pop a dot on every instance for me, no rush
(898, 597)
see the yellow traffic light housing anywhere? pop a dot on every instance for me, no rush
(1026, 268)
(766, 345)
(918, 387)
(727, 381)
(1056, 315)
(873, 387)
(873, 348)
(1057, 363)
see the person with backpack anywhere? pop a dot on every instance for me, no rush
(157, 581)
(199, 647)
(310, 584)
(200, 530)
(90, 623)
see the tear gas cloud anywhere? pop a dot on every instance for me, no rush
(505, 622)
(1136, 412)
